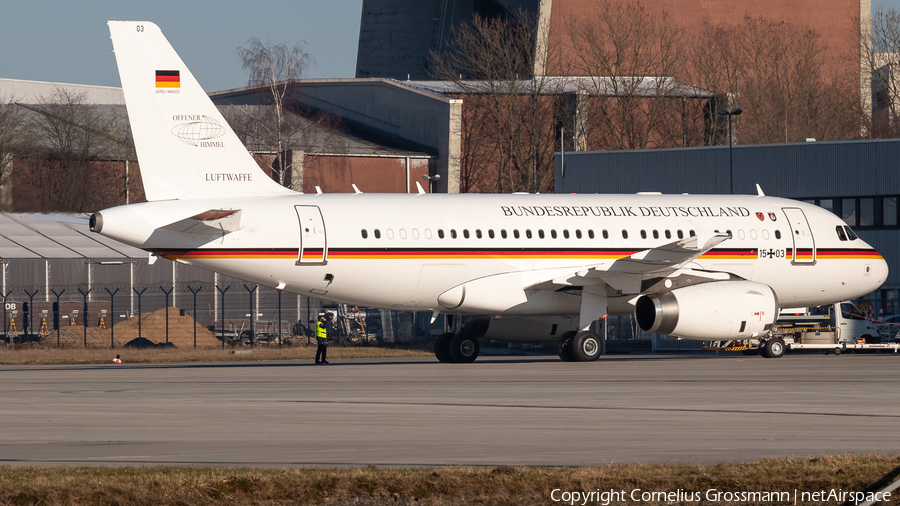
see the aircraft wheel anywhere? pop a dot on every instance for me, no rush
(837, 351)
(464, 348)
(442, 348)
(775, 348)
(586, 346)
(564, 346)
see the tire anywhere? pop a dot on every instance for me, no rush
(464, 348)
(586, 346)
(775, 348)
(837, 351)
(442, 348)
(564, 346)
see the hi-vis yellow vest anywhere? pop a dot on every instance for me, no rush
(320, 331)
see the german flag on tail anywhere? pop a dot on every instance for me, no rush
(168, 79)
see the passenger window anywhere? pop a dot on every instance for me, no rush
(503, 233)
(516, 233)
(553, 234)
(478, 233)
(453, 233)
(466, 233)
(491, 233)
(605, 234)
(624, 234)
(691, 233)
(729, 234)
(668, 234)
(778, 234)
(590, 233)
(528, 233)
(440, 233)
(680, 234)
(656, 234)
(643, 234)
(578, 234)
(364, 234)
(566, 234)
(377, 234)
(541, 233)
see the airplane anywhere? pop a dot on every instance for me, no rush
(706, 267)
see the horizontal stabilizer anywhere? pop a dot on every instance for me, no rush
(214, 222)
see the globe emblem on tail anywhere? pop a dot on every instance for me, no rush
(194, 132)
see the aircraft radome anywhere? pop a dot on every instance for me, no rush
(708, 267)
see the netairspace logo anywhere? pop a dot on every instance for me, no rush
(607, 497)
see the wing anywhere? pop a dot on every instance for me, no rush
(626, 274)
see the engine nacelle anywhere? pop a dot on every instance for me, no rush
(715, 311)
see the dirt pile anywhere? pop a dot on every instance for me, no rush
(152, 328)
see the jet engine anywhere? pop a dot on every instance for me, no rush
(715, 311)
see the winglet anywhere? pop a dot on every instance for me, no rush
(759, 191)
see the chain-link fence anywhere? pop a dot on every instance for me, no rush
(193, 314)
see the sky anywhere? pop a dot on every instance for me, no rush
(67, 41)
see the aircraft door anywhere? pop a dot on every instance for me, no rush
(804, 244)
(313, 244)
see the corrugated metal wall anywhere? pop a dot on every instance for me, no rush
(800, 170)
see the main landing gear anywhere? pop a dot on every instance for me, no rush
(770, 348)
(579, 346)
(460, 348)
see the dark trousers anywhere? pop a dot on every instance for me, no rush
(322, 350)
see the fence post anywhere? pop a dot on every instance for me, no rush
(56, 317)
(5, 323)
(194, 315)
(140, 315)
(279, 318)
(84, 316)
(223, 312)
(112, 317)
(167, 309)
(252, 313)
(29, 322)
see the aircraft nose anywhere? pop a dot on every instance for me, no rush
(876, 271)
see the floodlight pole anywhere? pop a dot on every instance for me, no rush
(733, 112)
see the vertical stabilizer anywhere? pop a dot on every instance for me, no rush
(185, 148)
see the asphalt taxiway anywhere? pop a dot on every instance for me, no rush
(413, 412)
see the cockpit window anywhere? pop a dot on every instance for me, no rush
(850, 233)
(840, 232)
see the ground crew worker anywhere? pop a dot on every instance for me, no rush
(322, 340)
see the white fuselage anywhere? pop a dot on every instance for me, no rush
(404, 251)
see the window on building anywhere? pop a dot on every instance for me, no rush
(848, 211)
(889, 211)
(867, 212)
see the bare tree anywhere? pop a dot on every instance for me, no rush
(780, 75)
(272, 67)
(880, 47)
(67, 169)
(631, 57)
(13, 132)
(508, 108)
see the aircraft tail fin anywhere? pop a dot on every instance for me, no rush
(185, 148)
